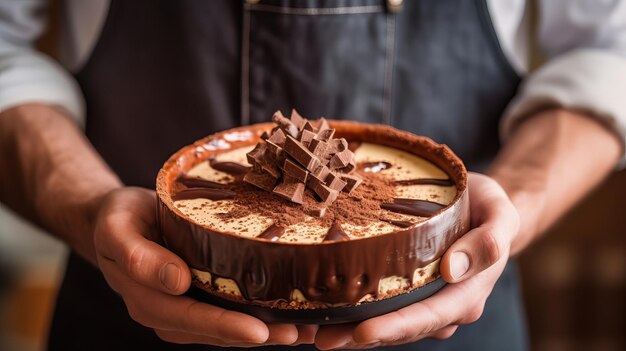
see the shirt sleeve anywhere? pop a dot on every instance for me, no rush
(585, 44)
(27, 76)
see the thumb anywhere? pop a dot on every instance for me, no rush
(495, 221)
(120, 238)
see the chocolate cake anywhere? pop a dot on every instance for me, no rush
(313, 216)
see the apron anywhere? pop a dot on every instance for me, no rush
(165, 73)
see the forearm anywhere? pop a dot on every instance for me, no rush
(551, 161)
(51, 174)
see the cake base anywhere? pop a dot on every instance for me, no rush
(331, 315)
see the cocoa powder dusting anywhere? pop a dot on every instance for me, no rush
(358, 207)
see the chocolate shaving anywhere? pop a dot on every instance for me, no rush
(298, 154)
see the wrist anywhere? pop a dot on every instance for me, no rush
(56, 178)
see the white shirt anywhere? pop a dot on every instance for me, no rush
(584, 42)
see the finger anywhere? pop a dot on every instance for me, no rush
(158, 310)
(334, 336)
(306, 334)
(443, 333)
(282, 334)
(186, 338)
(120, 238)
(448, 307)
(496, 222)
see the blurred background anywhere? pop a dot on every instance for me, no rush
(574, 278)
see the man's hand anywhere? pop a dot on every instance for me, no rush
(150, 279)
(473, 264)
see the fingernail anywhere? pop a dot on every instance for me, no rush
(459, 264)
(170, 276)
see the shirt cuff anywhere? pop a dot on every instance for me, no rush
(586, 80)
(27, 76)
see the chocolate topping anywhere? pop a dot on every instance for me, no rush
(272, 233)
(297, 155)
(231, 168)
(193, 182)
(207, 193)
(425, 181)
(413, 207)
(335, 233)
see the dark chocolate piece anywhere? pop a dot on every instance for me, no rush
(285, 124)
(318, 148)
(194, 182)
(398, 223)
(292, 169)
(301, 154)
(349, 167)
(325, 193)
(306, 137)
(297, 119)
(322, 125)
(338, 145)
(290, 189)
(413, 207)
(231, 168)
(321, 172)
(278, 138)
(308, 127)
(425, 181)
(341, 159)
(326, 134)
(256, 154)
(204, 193)
(272, 233)
(352, 181)
(333, 181)
(261, 180)
(336, 233)
(317, 212)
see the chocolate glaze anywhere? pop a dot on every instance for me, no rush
(425, 181)
(413, 207)
(335, 273)
(272, 233)
(375, 167)
(401, 224)
(336, 233)
(193, 182)
(232, 168)
(205, 193)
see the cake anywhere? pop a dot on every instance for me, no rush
(312, 215)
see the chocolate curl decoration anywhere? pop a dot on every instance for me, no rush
(298, 154)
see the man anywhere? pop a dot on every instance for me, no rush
(161, 74)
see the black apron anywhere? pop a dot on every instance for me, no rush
(165, 73)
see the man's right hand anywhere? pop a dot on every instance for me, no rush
(151, 279)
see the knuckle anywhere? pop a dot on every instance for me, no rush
(490, 247)
(135, 313)
(135, 260)
(445, 333)
(474, 314)
(165, 336)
